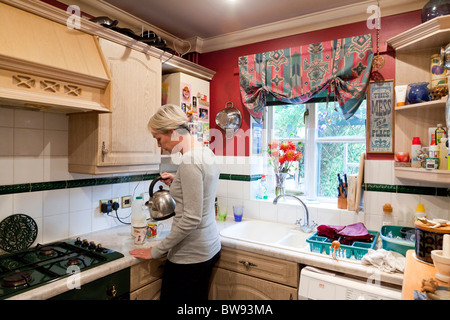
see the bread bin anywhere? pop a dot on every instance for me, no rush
(428, 239)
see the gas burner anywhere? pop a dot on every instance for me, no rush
(73, 262)
(16, 279)
(46, 251)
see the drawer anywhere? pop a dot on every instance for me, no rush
(260, 266)
(146, 272)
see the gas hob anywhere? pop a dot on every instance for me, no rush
(43, 264)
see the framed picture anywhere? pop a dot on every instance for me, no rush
(380, 117)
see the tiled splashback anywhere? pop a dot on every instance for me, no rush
(34, 155)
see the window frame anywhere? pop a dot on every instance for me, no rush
(311, 147)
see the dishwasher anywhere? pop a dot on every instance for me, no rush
(318, 284)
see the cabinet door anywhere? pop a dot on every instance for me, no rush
(151, 291)
(135, 96)
(230, 285)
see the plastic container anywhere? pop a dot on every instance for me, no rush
(439, 133)
(420, 211)
(415, 151)
(357, 250)
(262, 191)
(138, 219)
(443, 154)
(394, 238)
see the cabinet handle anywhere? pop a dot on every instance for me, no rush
(248, 264)
(104, 151)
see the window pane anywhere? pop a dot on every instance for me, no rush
(336, 158)
(288, 121)
(331, 123)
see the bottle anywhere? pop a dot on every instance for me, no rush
(388, 218)
(433, 150)
(439, 133)
(262, 192)
(415, 148)
(420, 211)
(138, 219)
(443, 154)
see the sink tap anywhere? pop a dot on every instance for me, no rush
(306, 227)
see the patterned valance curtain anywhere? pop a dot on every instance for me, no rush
(295, 75)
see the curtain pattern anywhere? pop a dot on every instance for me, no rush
(297, 74)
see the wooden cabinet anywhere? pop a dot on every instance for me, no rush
(414, 49)
(241, 275)
(145, 280)
(119, 141)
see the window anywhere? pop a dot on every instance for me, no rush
(330, 144)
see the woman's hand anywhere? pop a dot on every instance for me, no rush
(144, 253)
(167, 178)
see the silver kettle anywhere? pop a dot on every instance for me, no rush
(161, 204)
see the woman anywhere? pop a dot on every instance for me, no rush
(193, 245)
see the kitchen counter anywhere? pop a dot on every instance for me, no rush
(119, 239)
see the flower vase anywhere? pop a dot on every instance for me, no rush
(280, 183)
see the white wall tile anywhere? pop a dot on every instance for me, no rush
(80, 222)
(80, 199)
(28, 169)
(55, 143)
(55, 202)
(55, 227)
(6, 141)
(6, 205)
(6, 170)
(6, 117)
(29, 203)
(55, 168)
(56, 121)
(28, 142)
(28, 119)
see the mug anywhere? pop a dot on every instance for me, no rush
(154, 229)
(139, 234)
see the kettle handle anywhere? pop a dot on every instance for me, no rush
(150, 189)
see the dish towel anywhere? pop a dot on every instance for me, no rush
(387, 261)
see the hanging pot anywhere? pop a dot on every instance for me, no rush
(161, 204)
(229, 120)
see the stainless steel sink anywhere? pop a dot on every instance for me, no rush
(273, 234)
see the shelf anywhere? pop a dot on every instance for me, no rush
(425, 105)
(420, 174)
(431, 34)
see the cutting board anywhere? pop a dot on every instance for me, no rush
(360, 180)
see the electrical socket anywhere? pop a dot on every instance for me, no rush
(109, 201)
(126, 201)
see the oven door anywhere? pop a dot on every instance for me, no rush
(115, 286)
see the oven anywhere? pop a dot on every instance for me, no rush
(43, 264)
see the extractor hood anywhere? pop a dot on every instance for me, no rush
(49, 66)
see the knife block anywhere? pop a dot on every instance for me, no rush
(342, 200)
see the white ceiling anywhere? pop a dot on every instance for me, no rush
(211, 18)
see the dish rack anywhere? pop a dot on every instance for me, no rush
(320, 244)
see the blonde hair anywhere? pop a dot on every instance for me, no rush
(168, 117)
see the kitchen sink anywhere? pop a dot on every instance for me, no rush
(272, 234)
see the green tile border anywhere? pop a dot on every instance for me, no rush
(79, 183)
(430, 191)
(68, 184)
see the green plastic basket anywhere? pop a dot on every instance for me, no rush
(320, 244)
(394, 244)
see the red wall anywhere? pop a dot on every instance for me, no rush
(225, 84)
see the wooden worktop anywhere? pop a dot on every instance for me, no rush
(415, 272)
